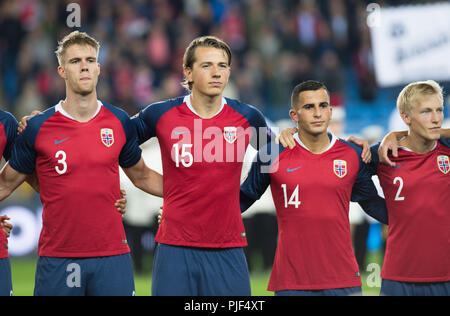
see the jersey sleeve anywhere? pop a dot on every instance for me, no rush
(10, 124)
(23, 153)
(141, 123)
(258, 179)
(445, 142)
(146, 120)
(131, 152)
(373, 164)
(365, 193)
(264, 134)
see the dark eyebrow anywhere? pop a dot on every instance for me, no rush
(312, 104)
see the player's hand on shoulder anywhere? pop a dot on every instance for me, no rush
(121, 203)
(389, 143)
(366, 155)
(286, 137)
(23, 122)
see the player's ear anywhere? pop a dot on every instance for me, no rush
(406, 118)
(293, 114)
(61, 72)
(187, 71)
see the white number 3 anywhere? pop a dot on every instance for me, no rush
(61, 155)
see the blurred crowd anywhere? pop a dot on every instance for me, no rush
(276, 44)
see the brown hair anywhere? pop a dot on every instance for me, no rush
(309, 85)
(204, 41)
(74, 38)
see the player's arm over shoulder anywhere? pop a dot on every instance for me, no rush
(258, 178)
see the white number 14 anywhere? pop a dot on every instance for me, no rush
(294, 199)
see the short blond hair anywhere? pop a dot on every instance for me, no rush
(408, 97)
(75, 38)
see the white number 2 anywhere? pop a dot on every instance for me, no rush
(400, 188)
(293, 200)
(61, 161)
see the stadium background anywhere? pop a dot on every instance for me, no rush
(276, 44)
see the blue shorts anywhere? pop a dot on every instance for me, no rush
(186, 271)
(397, 288)
(5, 278)
(348, 291)
(98, 276)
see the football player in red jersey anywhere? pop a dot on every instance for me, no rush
(312, 185)
(203, 137)
(416, 186)
(76, 148)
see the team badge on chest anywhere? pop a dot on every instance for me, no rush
(443, 164)
(230, 134)
(340, 168)
(107, 137)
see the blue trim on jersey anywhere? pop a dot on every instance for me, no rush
(147, 119)
(258, 179)
(364, 191)
(23, 156)
(256, 119)
(130, 153)
(373, 165)
(445, 142)
(10, 124)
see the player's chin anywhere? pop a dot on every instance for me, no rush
(214, 92)
(84, 91)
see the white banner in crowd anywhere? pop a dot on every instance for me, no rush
(411, 43)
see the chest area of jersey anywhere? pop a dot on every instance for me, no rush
(62, 147)
(192, 140)
(415, 175)
(334, 171)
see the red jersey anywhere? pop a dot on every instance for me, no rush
(312, 193)
(77, 165)
(8, 132)
(417, 193)
(202, 164)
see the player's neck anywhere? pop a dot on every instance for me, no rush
(417, 144)
(81, 108)
(316, 144)
(206, 106)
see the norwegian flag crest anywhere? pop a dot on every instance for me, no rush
(443, 164)
(230, 134)
(340, 168)
(107, 137)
